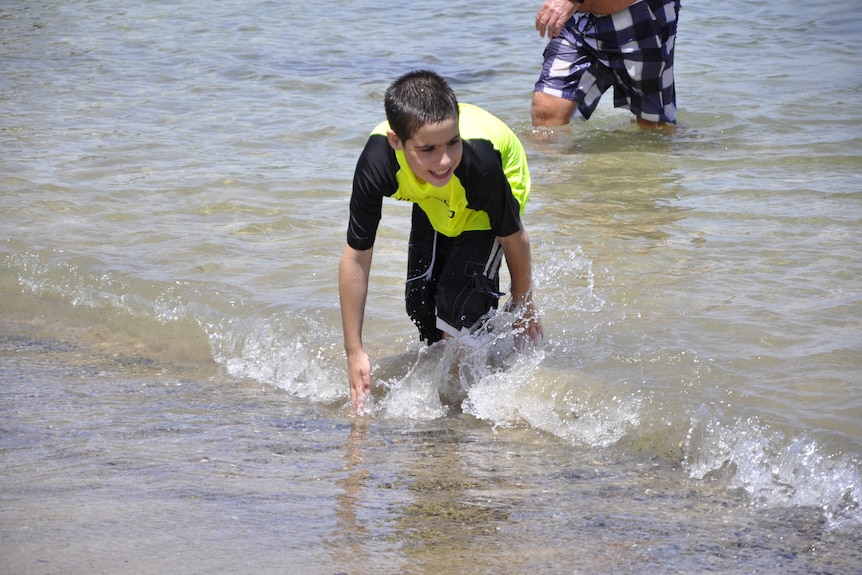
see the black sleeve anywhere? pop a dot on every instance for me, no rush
(373, 179)
(481, 174)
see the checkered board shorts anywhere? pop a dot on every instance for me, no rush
(631, 50)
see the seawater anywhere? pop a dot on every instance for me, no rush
(174, 202)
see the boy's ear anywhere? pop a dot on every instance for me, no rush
(394, 140)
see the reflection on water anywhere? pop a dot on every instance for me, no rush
(349, 540)
(456, 499)
(447, 510)
(605, 186)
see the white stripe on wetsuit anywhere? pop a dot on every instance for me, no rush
(495, 258)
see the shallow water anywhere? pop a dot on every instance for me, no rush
(114, 465)
(172, 379)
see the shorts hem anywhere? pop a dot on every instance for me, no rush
(445, 327)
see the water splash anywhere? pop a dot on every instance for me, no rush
(292, 352)
(567, 283)
(776, 471)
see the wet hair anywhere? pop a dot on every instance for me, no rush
(416, 99)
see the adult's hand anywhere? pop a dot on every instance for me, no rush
(552, 15)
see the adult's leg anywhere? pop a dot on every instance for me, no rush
(547, 110)
(658, 126)
(643, 67)
(571, 79)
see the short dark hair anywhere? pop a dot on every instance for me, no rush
(416, 99)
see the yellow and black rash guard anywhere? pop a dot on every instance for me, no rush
(488, 190)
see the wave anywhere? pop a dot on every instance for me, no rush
(299, 351)
(776, 469)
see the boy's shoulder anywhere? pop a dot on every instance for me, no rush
(478, 124)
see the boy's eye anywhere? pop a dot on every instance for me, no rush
(428, 149)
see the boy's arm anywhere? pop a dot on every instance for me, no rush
(353, 272)
(517, 249)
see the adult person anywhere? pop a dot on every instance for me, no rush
(597, 44)
(466, 173)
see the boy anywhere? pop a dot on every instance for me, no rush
(467, 174)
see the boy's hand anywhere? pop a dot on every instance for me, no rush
(359, 372)
(528, 327)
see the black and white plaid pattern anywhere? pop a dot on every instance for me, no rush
(631, 50)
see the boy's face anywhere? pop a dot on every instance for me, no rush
(433, 152)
